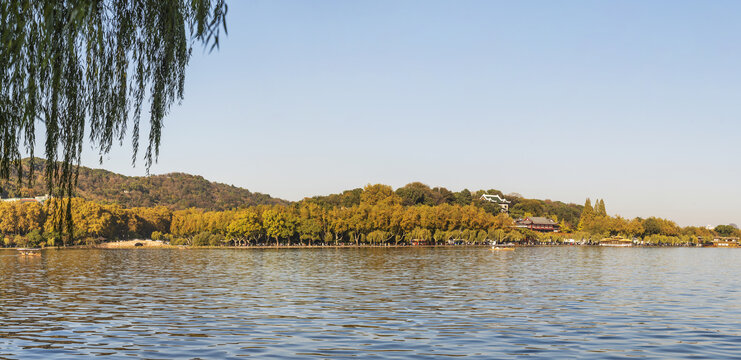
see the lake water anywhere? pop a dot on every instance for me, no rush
(372, 303)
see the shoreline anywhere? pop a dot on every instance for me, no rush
(148, 244)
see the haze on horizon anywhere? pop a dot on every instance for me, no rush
(633, 102)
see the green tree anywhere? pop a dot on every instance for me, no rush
(378, 237)
(416, 193)
(496, 234)
(309, 230)
(420, 234)
(463, 197)
(216, 240)
(201, 239)
(587, 214)
(351, 197)
(725, 230)
(35, 238)
(651, 226)
(442, 195)
(529, 206)
(600, 208)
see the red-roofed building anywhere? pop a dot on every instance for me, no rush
(537, 224)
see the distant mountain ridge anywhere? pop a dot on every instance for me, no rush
(176, 191)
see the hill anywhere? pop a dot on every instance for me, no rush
(179, 191)
(176, 191)
(417, 193)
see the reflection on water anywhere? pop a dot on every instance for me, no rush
(372, 303)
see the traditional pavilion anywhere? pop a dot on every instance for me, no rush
(537, 224)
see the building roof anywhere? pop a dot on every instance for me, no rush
(494, 198)
(536, 220)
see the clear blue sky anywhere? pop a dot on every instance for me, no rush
(636, 102)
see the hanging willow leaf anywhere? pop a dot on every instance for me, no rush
(78, 66)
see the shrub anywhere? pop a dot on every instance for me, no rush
(216, 240)
(20, 241)
(35, 238)
(52, 238)
(202, 239)
(179, 241)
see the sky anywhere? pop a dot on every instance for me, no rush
(634, 102)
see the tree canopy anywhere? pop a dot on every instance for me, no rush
(378, 219)
(78, 66)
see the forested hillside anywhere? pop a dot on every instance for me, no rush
(374, 215)
(188, 209)
(176, 191)
(417, 193)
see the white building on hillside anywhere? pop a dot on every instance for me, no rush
(38, 199)
(503, 203)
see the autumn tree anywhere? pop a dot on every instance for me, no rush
(8, 218)
(634, 228)
(358, 222)
(409, 220)
(378, 237)
(187, 223)
(419, 233)
(245, 226)
(279, 224)
(587, 214)
(338, 223)
(378, 193)
(310, 222)
(725, 230)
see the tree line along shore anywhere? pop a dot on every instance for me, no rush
(373, 216)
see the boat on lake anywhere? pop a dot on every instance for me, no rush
(616, 241)
(503, 247)
(29, 251)
(726, 242)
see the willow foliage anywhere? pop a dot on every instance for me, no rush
(73, 65)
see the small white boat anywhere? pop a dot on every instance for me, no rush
(29, 251)
(616, 241)
(503, 247)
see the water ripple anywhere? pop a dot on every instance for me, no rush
(542, 303)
